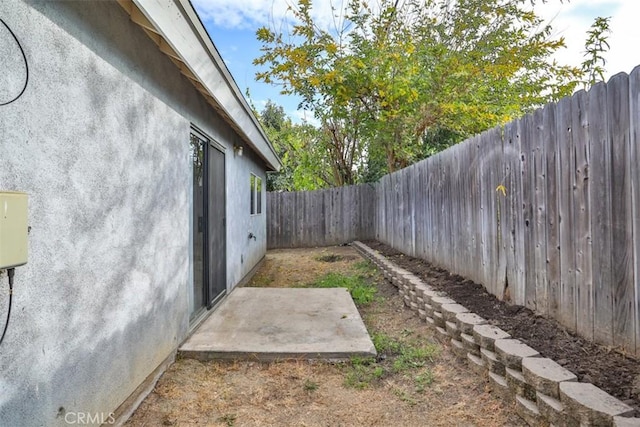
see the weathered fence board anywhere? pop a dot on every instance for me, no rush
(584, 289)
(601, 213)
(565, 166)
(514, 288)
(465, 259)
(528, 179)
(552, 248)
(486, 213)
(622, 232)
(539, 215)
(634, 155)
(544, 212)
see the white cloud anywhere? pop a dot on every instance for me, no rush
(570, 19)
(259, 104)
(625, 40)
(241, 14)
(251, 14)
(573, 19)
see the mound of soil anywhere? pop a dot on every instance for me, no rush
(615, 373)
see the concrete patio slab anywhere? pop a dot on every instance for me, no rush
(272, 324)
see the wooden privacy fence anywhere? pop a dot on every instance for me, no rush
(320, 218)
(544, 212)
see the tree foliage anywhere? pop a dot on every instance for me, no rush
(393, 83)
(297, 145)
(596, 45)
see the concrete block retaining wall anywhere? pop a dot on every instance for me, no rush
(544, 393)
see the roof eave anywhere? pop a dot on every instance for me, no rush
(177, 30)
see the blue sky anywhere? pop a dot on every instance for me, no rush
(232, 25)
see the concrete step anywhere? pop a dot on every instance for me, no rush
(271, 324)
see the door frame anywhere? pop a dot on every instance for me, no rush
(209, 300)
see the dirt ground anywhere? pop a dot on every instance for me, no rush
(613, 372)
(301, 393)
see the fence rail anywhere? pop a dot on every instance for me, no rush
(544, 212)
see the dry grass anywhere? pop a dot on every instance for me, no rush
(285, 268)
(301, 393)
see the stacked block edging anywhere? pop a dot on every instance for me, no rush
(544, 392)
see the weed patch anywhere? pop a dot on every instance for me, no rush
(396, 356)
(363, 373)
(310, 385)
(405, 396)
(362, 291)
(414, 357)
(262, 282)
(366, 269)
(385, 344)
(423, 380)
(229, 419)
(329, 258)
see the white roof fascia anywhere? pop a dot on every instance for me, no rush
(188, 37)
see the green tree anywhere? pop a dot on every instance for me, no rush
(407, 78)
(596, 45)
(296, 145)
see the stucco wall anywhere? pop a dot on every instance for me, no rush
(244, 253)
(100, 141)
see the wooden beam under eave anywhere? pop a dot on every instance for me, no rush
(203, 90)
(155, 37)
(210, 99)
(167, 49)
(138, 17)
(187, 71)
(216, 106)
(178, 63)
(126, 5)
